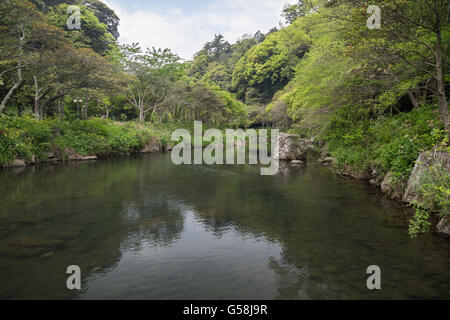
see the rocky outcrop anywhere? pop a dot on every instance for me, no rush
(292, 147)
(421, 173)
(429, 166)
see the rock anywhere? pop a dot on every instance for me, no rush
(18, 163)
(32, 160)
(168, 147)
(296, 162)
(444, 225)
(88, 158)
(54, 155)
(291, 147)
(388, 187)
(326, 160)
(71, 155)
(421, 172)
(363, 175)
(153, 145)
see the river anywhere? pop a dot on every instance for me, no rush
(143, 228)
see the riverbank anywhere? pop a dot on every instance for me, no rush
(417, 178)
(406, 155)
(26, 141)
(426, 190)
(423, 184)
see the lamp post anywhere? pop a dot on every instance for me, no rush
(78, 101)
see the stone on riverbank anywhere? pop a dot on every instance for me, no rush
(421, 173)
(18, 163)
(73, 156)
(444, 225)
(292, 147)
(296, 162)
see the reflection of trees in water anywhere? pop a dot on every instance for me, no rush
(297, 282)
(155, 219)
(55, 216)
(87, 214)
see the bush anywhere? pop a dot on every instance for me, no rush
(23, 137)
(391, 143)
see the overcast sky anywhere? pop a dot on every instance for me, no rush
(185, 25)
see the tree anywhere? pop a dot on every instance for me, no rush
(293, 11)
(65, 69)
(269, 66)
(217, 47)
(93, 34)
(17, 18)
(152, 73)
(104, 14)
(415, 34)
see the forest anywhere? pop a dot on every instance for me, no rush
(374, 97)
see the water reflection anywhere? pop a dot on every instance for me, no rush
(146, 229)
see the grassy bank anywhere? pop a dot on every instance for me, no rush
(25, 137)
(387, 144)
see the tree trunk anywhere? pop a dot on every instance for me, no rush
(141, 114)
(440, 86)
(84, 110)
(413, 99)
(19, 74)
(61, 109)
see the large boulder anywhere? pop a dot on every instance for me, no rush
(292, 147)
(444, 225)
(421, 173)
(18, 163)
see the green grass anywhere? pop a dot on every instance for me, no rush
(23, 137)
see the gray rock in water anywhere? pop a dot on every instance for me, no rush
(444, 225)
(421, 172)
(292, 147)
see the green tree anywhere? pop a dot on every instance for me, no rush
(293, 11)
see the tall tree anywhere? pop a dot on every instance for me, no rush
(17, 18)
(152, 73)
(413, 33)
(292, 12)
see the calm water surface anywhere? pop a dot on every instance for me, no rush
(143, 228)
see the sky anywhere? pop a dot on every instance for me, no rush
(184, 26)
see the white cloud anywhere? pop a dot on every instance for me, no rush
(185, 33)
